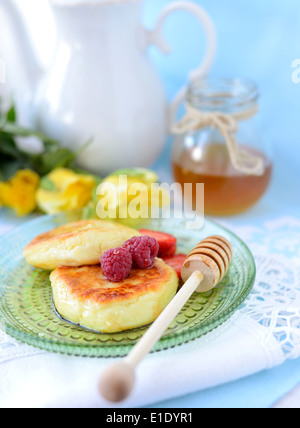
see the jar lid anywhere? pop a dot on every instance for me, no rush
(71, 3)
(226, 95)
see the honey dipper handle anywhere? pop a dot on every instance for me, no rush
(118, 380)
(157, 329)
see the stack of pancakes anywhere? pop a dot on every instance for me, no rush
(82, 294)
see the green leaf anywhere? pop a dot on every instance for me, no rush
(11, 115)
(142, 173)
(14, 130)
(50, 145)
(48, 161)
(47, 184)
(9, 169)
(12, 158)
(9, 147)
(89, 211)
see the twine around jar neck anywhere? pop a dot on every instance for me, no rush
(227, 124)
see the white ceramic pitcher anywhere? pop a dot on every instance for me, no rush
(101, 84)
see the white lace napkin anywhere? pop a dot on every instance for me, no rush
(262, 334)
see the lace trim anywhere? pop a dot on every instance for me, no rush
(273, 305)
(274, 302)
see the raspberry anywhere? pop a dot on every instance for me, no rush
(144, 250)
(116, 264)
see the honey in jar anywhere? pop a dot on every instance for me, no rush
(203, 155)
(227, 191)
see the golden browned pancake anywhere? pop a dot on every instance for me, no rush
(85, 297)
(76, 244)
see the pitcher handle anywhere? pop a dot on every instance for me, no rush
(156, 37)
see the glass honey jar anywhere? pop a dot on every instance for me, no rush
(217, 144)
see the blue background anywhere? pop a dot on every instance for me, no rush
(259, 40)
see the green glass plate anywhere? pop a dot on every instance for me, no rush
(27, 314)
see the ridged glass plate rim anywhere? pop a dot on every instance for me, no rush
(113, 351)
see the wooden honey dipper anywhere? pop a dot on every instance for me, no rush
(203, 269)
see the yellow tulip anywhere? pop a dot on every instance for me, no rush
(131, 194)
(19, 193)
(65, 190)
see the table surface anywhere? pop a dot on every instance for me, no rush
(265, 55)
(263, 389)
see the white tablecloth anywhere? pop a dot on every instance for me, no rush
(262, 334)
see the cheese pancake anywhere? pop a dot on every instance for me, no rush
(76, 244)
(85, 297)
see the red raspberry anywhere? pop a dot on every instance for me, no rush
(116, 264)
(143, 250)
